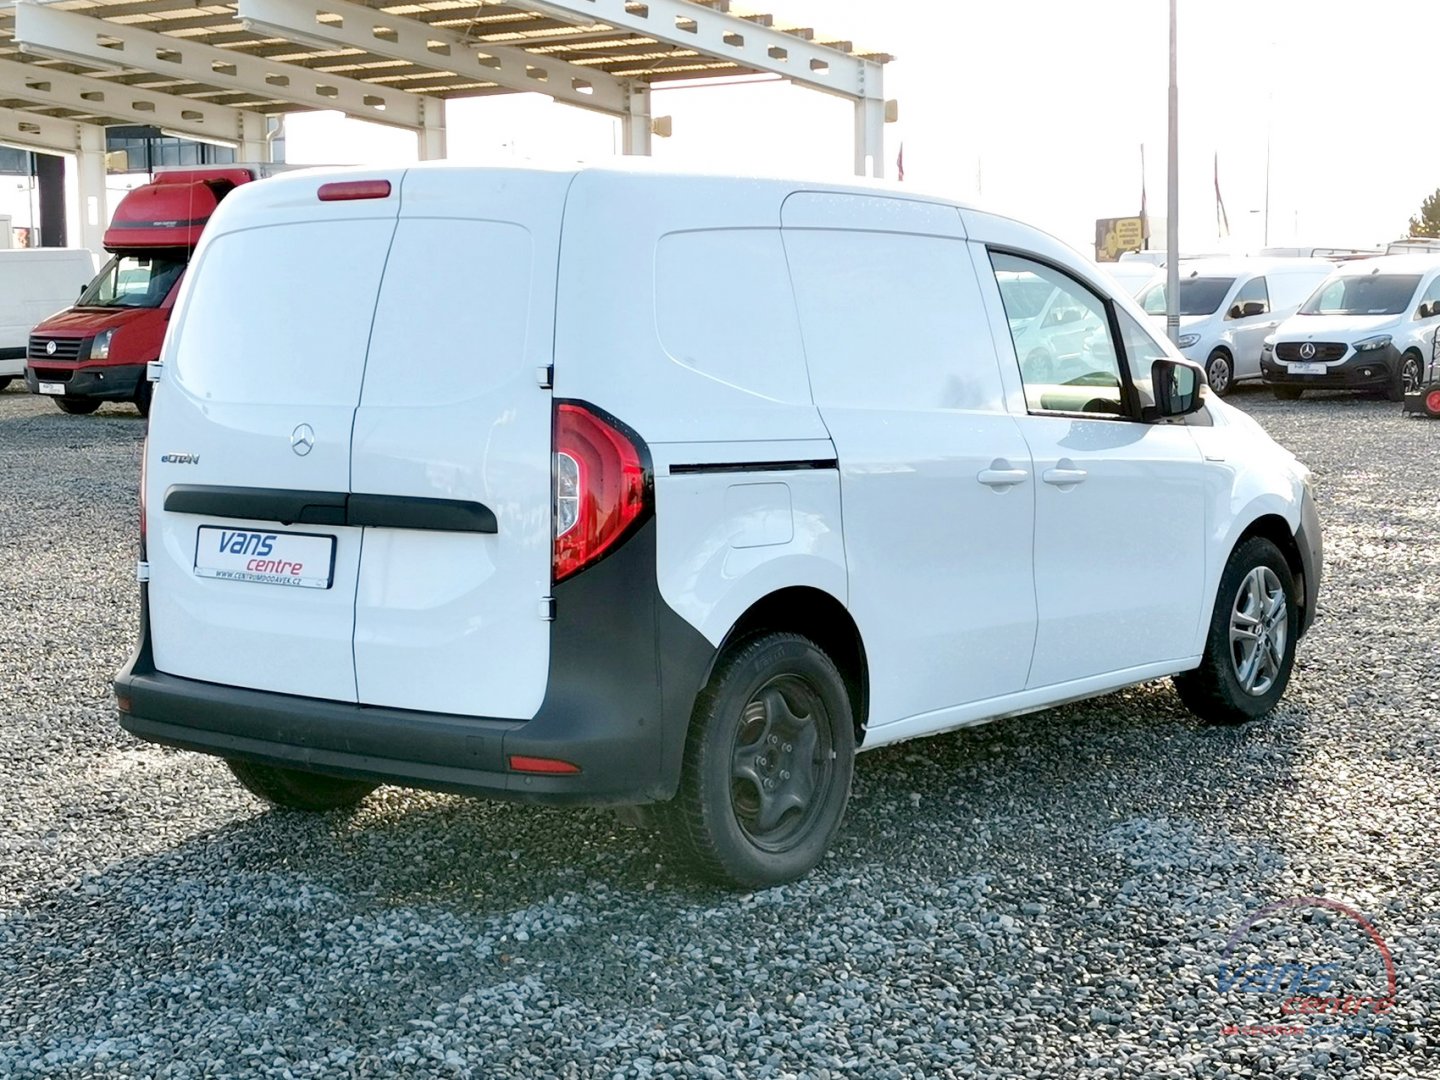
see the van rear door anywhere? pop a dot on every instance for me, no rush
(253, 569)
(451, 617)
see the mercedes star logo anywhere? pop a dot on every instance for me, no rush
(50, 348)
(1307, 351)
(302, 439)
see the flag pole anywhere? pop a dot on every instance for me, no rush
(1172, 209)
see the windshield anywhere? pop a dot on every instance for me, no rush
(1024, 295)
(1198, 296)
(134, 281)
(1373, 294)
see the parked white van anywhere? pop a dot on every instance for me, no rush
(1229, 307)
(35, 283)
(1370, 326)
(529, 484)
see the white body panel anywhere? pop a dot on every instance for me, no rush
(450, 622)
(35, 283)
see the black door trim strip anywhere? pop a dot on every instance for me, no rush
(330, 508)
(754, 466)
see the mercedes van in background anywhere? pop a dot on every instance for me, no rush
(536, 493)
(1228, 308)
(96, 351)
(34, 284)
(1370, 326)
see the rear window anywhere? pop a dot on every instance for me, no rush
(281, 314)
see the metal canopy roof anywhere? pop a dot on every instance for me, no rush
(217, 71)
(461, 28)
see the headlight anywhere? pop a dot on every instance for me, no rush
(1370, 344)
(1186, 340)
(100, 347)
(1268, 345)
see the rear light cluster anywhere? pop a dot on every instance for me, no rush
(602, 486)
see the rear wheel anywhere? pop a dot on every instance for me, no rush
(1287, 393)
(1432, 403)
(1412, 371)
(767, 765)
(4, 382)
(1251, 646)
(143, 393)
(1220, 372)
(298, 790)
(77, 406)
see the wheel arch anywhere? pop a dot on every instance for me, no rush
(819, 616)
(1277, 530)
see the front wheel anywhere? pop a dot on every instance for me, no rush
(767, 765)
(1412, 373)
(298, 790)
(1219, 372)
(1287, 393)
(1250, 649)
(77, 406)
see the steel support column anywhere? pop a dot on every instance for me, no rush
(431, 135)
(90, 183)
(870, 137)
(635, 124)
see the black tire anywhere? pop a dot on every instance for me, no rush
(1288, 393)
(298, 790)
(774, 701)
(5, 382)
(1220, 372)
(143, 393)
(1410, 377)
(1039, 366)
(77, 406)
(1217, 690)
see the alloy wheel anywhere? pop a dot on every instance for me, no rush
(1259, 628)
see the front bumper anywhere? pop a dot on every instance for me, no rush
(1312, 558)
(108, 382)
(624, 674)
(1376, 369)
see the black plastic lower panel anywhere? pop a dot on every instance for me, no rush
(625, 670)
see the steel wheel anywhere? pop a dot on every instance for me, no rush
(1259, 626)
(782, 764)
(1217, 372)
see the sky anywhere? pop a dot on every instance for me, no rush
(1039, 109)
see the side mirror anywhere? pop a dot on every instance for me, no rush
(1247, 310)
(1428, 311)
(1177, 388)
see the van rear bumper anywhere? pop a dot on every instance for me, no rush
(624, 674)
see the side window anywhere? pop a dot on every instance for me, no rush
(1068, 360)
(1141, 352)
(1432, 294)
(892, 321)
(1253, 292)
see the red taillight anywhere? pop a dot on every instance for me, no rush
(522, 763)
(345, 190)
(601, 487)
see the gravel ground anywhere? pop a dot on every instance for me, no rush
(1049, 896)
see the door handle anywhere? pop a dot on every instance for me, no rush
(1000, 475)
(1064, 474)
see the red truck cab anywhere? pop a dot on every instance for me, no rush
(97, 351)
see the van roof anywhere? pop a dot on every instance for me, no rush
(1238, 266)
(1390, 264)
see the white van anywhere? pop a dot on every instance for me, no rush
(1229, 307)
(1370, 326)
(35, 283)
(529, 484)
